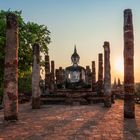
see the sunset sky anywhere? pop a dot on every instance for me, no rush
(86, 23)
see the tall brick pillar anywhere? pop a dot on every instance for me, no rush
(11, 69)
(93, 76)
(129, 105)
(100, 74)
(61, 76)
(88, 75)
(57, 77)
(107, 75)
(47, 72)
(36, 77)
(52, 75)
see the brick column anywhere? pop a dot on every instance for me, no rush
(100, 74)
(93, 76)
(47, 72)
(88, 75)
(52, 75)
(61, 76)
(36, 77)
(57, 77)
(107, 75)
(129, 105)
(115, 84)
(11, 69)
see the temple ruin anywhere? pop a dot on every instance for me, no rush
(72, 85)
(76, 84)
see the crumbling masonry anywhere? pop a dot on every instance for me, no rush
(129, 105)
(11, 69)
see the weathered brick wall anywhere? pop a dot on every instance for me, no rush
(107, 75)
(36, 77)
(11, 69)
(129, 106)
(93, 76)
(100, 74)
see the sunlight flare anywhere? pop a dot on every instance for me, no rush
(119, 67)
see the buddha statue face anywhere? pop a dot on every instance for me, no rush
(75, 57)
(75, 60)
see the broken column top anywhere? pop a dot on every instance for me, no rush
(60, 68)
(100, 56)
(106, 46)
(106, 43)
(127, 17)
(11, 20)
(128, 11)
(93, 62)
(87, 67)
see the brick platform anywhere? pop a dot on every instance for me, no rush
(59, 122)
(71, 97)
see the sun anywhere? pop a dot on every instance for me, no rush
(119, 66)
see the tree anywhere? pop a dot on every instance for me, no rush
(29, 34)
(2, 44)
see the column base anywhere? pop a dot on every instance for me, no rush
(107, 102)
(11, 118)
(36, 103)
(129, 106)
(112, 99)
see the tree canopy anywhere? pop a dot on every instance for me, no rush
(29, 33)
